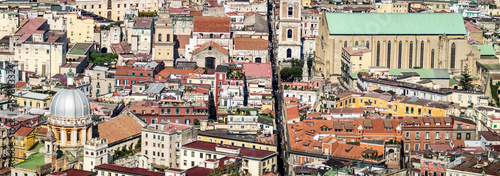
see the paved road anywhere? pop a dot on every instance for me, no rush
(282, 168)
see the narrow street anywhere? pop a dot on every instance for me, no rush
(277, 94)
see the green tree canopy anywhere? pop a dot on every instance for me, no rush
(101, 58)
(290, 74)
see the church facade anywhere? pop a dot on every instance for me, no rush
(396, 41)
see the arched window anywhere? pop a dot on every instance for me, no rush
(289, 34)
(378, 53)
(356, 44)
(211, 35)
(345, 43)
(410, 58)
(432, 58)
(452, 59)
(289, 53)
(367, 44)
(399, 53)
(422, 54)
(389, 54)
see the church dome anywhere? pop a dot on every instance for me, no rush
(70, 103)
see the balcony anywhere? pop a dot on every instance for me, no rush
(417, 138)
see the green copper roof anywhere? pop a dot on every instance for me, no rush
(453, 81)
(424, 73)
(33, 160)
(486, 50)
(395, 23)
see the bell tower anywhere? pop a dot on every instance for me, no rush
(289, 30)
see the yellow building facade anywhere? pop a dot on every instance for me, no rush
(24, 138)
(116, 9)
(80, 29)
(402, 109)
(32, 100)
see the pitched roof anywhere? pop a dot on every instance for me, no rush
(30, 27)
(489, 136)
(132, 171)
(212, 44)
(122, 70)
(246, 43)
(113, 130)
(486, 50)
(181, 41)
(394, 24)
(292, 112)
(257, 69)
(24, 131)
(19, 84)
(143, 23)
(243, 151)
(211, 24)
(168, 71)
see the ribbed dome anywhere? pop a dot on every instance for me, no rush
(70, 103)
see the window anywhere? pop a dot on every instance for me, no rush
(378, 53)
(289, 33)
(459, 136)
(192, 154)
(289, 53)
(452, 59)
(345, 43)
(177, 111)
(410, 56)
(389, 54)
(367, 44)
(447, 135)
(201, 155)
(290, 11)
(407, 135)
(399, 53)
(438, 136)
(417, 147)
(432, 58)
(422, 54)
(427, 135)
(467, 136)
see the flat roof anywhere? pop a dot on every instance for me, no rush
(80, 48)
(395, 23)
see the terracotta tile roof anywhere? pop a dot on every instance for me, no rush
(196, 13)
(367, 123)
(246, 43)
(165, 73)
(42, 131)
(356, 51)
(182, 10)
(181, 41)
(198, 171)
(73, 172)
(30, 27)
(440, 147)
(143, 23)
(122, 70)
(348, 151)
(468, 166)
(212, 24)
(113, 130)
(292, 112)
(19, 84)
(489, 136)
(212, 44)
(257, 69)
(131, 171)
(24, 131)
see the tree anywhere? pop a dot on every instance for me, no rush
(465, 82)
(196, 122)
(138, 145)
(101, 58)
(291, 74)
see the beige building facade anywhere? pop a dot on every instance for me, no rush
(116, 9)
(164, 39)
(415, 43)
(80, 29)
